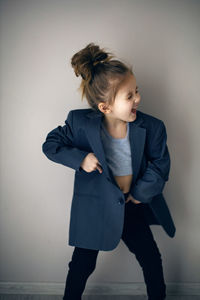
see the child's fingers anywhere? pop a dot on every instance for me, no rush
(127, 200)
(99, 168)
(133, 199)
(136, 201)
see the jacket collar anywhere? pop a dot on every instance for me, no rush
(137, 135)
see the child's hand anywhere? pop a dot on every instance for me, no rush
(91, 163)
(130, 198)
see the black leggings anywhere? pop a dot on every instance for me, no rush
(138, 237)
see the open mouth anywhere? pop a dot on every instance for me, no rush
(133, 110)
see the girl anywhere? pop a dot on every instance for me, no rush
(122, 162)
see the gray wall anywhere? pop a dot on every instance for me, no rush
(38, 88)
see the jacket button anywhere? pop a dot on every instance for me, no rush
(121, 201)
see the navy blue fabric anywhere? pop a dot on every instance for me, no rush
(98, 204)
(138, 237)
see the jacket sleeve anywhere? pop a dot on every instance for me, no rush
(59, 147)
(156, 174)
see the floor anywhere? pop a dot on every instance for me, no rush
(90, 297)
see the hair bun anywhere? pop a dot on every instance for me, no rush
(84, 61)
(99, 58)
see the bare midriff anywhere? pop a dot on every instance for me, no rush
(124, 182)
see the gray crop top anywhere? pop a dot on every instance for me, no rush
(117, 152)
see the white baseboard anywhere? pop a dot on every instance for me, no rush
(108, 288)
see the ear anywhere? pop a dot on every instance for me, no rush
(104, 108)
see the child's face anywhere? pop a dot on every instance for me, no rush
(126, 99)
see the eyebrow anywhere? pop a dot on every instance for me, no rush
(131, 92)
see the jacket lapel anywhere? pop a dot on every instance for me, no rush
(137, 135)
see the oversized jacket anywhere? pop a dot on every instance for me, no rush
(98, 204)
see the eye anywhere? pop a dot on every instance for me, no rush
(132, 94)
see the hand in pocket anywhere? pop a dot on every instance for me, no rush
(130, 198)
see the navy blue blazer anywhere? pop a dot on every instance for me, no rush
(98, 204)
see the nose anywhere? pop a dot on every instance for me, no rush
(137, 99)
